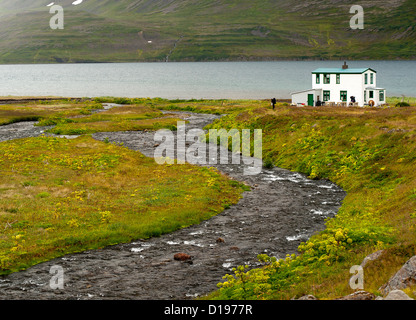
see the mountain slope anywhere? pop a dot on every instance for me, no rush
(201, 30)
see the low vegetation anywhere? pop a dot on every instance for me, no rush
(370, 153)
(221, 106)
(39, 110)
(67, 195)
(73, 117)
(60, 196)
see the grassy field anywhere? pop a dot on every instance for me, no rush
(127, 118)
(59, 196)
(39, 110)
(52, 204)
(71, 117)
(370, 153)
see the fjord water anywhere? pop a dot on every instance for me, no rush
(189, 80)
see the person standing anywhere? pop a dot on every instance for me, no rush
(273, 102)
(318, 102)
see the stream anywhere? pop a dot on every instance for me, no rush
(283, 209)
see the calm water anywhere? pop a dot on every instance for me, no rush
(188, 80)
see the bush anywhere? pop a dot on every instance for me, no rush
(268, 163)
(51, 121)
(122, 101)
(402, 104)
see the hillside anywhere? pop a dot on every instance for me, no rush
(205, 30)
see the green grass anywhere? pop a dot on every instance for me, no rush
(74, 118)
(395, 100)
(42, 110)
(126, 118)
(370, 153)
(59, 204)
(60, 196)
(77, 128)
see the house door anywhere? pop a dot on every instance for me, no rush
(310, 100)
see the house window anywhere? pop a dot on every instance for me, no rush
(327, 95)
(327, 78)
(366, 78)
(318, 78)
(371, 94)
(365, 96)
(381, 95)
(343, 96)
(372, 78)
(338, 78)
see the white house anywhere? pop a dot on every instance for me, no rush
(342, 87)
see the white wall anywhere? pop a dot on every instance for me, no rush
(369, 84)
(302, 96)
(376, 97)
(352, 83)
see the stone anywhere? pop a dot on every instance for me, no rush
(181, 256)
(372, 257)
(403, 278)
(359, 295)
(308, 297)
(397, 295)
(220, 240)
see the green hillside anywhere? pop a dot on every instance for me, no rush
(205, 30)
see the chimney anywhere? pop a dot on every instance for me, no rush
(345, 66)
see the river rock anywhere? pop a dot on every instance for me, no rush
(181, 256)
(404, 278)
(374, 256)
(397, 295)
(308, 297)
(359, 295)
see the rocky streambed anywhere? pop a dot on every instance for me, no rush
(282, 209)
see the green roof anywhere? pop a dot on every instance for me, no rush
(340, 70)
